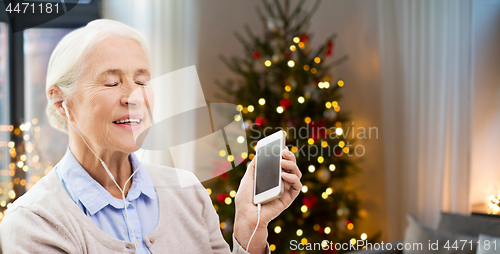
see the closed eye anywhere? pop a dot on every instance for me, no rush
(141, 84)
(111, 85)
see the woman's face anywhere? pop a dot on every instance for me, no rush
(102, 106)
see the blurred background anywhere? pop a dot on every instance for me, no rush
(424, 74)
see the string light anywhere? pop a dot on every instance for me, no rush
(277, 229)
(329, 191)
(222, 153)
(272, 247)
(320, 85)
(311, 168)
(340, 83)
(320, 159)
(346, 149)
(353, 241)
(296, 39)
(262, 101)
(230, 158)
(279, 109)
(237, 118)
(244, 155)
(313, 70)
(288, 88)
(232, 193)
(328, 230)
(301, 44)
(301, 99)
(310, 141)
(209, 191)
(326, 84)
(239, 107)
(317, 60)
(306, 67)
(303, 209)
(339, 131)
(223, 225)
(294, 149)
(341, 144)
(364, 236)
(328, 104)
(291, 63)
(293, 48)
(250, 108)
(324, 195)
(304, 189)
(299, 232)
(303, 241)
(350, 226)
(240, 139)
(337, 108)
(228, 200)
(307, 120)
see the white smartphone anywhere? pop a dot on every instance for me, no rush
(268, 184)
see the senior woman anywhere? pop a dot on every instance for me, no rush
(78, 208)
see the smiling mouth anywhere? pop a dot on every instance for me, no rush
(130, 121)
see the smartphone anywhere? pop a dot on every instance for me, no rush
(268, 184)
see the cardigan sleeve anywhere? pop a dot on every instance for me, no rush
(23, 231)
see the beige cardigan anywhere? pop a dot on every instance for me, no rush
(46, 220)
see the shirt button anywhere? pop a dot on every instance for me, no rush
(152, 240)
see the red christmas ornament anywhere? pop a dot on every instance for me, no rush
(310, 201)
(287, 54)
(256, 54)
(317, 130)
(260, 120)
(224, 176)
(221, 197)
(304, 38)
(329, 48)
(285, 103)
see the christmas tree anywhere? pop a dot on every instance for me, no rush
(285, 84)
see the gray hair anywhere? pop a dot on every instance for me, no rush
(65, 65)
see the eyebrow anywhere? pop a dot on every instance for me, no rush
(118, 72)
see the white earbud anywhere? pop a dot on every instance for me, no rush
(66, 110)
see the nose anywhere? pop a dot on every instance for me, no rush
(132, 96)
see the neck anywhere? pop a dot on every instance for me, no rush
(116, 161)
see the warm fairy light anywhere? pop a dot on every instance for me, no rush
(232, 193)
(324, 144)
(272, 247)
(223, 225)
(313, 70)
(316, 227)
(307, 119)
(303, 209)
(306, 67)
(329, 191)
(288, 88)
(291, 63)
(324, 195)
(245, 110)
(346, 149)
(277, 229)
(332, 167)
(335, 104)
(240, 139)
(20, 164)
(26, 137)
(299, 232)
(296, 39)
(12, 194)
(222, 153)
(328, 104)
(228, 200)
(250, 108)
(350, 226)
(338, 124)
(239, 107)
(337, 109)
(237, 118)
(353, 241)
(23, 157)
(301, 99)
(230, 158)
(304, 189)
(328, 230)
(326, 84)
(317, 60)
(293, 48)
(279, 109)
(341, 144)
(25, 168)
(340, 83)
(294, 149)
(267, 63)
(311, 168)
(244, 155)
(324, 244)
(320, 85)
(321, 159)
(339, 131)
(34, 121)
(310, 141)
(301, 44)
(364, 236)
(11, 144)
(303, 241)
(209, 191)
(262, 101)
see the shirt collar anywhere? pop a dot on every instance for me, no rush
(91, 194)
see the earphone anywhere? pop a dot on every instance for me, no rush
(109, 174)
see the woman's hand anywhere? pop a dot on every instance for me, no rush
(246, 212)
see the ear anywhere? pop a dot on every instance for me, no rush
(57, 97)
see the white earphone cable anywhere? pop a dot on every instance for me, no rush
(256, 226)
(111, 176)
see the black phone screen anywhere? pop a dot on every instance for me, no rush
(268, 166)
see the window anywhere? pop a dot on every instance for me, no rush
(29, 146)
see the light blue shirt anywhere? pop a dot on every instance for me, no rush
(106, 211)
